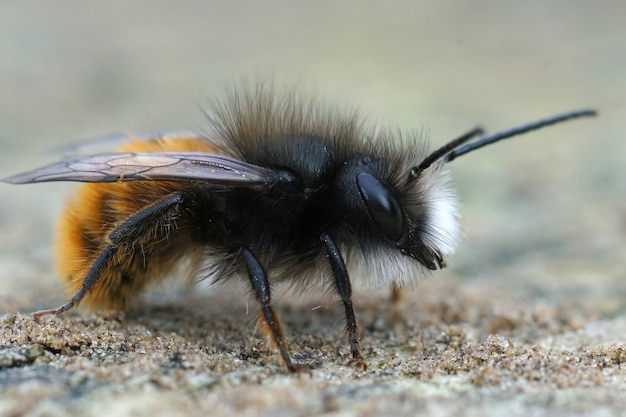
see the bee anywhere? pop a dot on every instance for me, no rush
(281, 190)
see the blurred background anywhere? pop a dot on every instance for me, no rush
(543, 215)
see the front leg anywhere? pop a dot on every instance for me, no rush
(344, 288)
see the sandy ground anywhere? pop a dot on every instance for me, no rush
(528, 320)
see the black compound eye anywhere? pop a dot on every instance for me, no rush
(382, 206)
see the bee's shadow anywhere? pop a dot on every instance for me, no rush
(200, 318)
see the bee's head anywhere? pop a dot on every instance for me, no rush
(412, 207)
(425, 230)
(403, 194)
(387, 204)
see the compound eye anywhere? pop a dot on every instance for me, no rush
(382, 205)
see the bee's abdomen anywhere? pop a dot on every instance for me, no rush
(145, 253)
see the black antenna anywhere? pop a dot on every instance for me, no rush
(518, 131)
(443, 151)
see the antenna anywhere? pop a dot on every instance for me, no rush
(455, 153)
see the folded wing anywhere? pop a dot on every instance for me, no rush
(212, 169)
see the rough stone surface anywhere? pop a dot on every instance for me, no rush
(528, 320)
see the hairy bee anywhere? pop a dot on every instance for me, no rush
(282, 190)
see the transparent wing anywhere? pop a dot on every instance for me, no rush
(109, 142)
(216, 170)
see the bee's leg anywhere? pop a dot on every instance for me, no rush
(88, 283)
(126, 233)
(261, 288)
(397, 295)
(344, 288)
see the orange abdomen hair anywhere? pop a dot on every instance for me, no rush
(99, 208)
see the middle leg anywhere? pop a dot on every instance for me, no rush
(261, 287)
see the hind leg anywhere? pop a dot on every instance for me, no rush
(124, 235)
